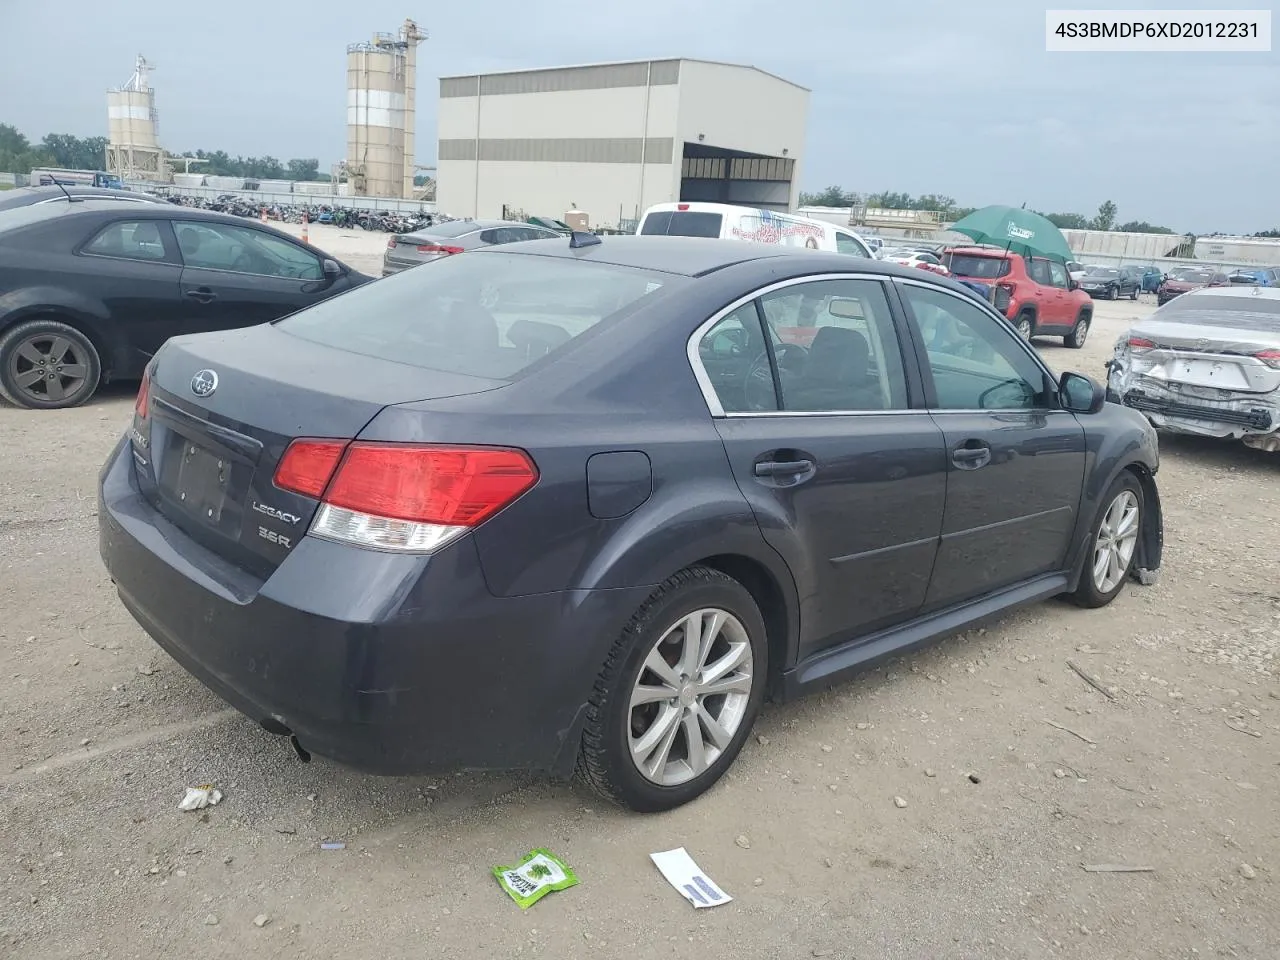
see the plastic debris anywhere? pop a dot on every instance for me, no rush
(197, 798)
(333, 845)
(538, 874)
(688, 879)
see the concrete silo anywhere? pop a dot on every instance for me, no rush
(382, 82)
(133, 147)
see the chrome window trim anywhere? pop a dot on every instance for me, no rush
(717, 410)
(704, 381)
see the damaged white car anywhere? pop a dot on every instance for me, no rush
(1206, 363)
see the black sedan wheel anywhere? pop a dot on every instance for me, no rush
(1136, 290)
(1113, 293)
(45, 364)
(1114, 544)
(678, 694)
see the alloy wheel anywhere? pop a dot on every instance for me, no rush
(1117, 540)
(1082, 332)
(1024, 328)
(48, 367)
(690, 697)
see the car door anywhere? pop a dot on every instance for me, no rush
(239, 276)
(1042, 291)
(846, 478)
(1059, 312)
(133, 265)
(1015, 461)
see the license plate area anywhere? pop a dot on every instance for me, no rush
(1221, 374)
(201, 483)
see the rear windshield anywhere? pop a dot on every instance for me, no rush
(1241, 313)
(1102, 272)
(1192, 275)
(682, 223)
(978, 268)
(450, 228)
(481, 314)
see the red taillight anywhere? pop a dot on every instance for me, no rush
(391, 243)
(1270, 357)
(307, 466)
(682, 206)
(409, 498)
(439, 249)
(449, 486)
(1140, 343)
(142, 405)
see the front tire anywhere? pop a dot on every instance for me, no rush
(1136, 290)
(1079, 333)
(1113, 544)
(47, 365)
(678, 694)
(1113, 293)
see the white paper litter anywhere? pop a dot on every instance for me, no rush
(688, 879)
(197, 798)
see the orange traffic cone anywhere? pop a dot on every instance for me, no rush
(305, 220)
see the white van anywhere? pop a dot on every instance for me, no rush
(728, 222)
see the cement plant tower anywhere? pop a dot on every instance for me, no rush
(382, 85)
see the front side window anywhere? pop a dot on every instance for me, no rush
(128, 240)
(1057, 274)
(977, 363)
(835, 347)
(847, 244)
(222, 246)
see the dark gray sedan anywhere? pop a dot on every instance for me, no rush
(594, 526)
(455, 236)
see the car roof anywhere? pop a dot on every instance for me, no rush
(1243, 294)
(993, 252)
(698, 256)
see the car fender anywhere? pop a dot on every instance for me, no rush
(699, 522)
(1129, 444)
(28, 301)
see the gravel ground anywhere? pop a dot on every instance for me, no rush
(1002, 808)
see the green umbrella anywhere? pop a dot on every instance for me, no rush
(1015, 229)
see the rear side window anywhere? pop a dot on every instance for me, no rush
(481, 314)
(129, 240)
(682, 223)
(978, 268)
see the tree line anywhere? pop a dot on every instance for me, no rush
(19, 155)
(948, 209)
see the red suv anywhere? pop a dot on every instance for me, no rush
(1037, 295)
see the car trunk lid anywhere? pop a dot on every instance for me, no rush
(222, 409)
(1198, 356)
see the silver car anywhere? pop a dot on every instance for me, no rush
(455, 236)
(1207, 363)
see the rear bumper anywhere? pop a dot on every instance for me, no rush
(390, 664)
(1238, 417)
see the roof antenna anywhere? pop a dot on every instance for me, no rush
(58, 183)
(581, 238)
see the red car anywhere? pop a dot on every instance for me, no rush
(1185, 279)
(1037, 295)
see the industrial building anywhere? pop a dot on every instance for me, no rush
(133, 129)
(612, 139)
(382, 84)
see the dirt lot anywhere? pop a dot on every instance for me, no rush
(1003, 809)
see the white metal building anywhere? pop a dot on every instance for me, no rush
(612, 139)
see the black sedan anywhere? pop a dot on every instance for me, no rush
(1111, 283)
(26, 196)
(455, 236)
(594, 527)
(89, 290)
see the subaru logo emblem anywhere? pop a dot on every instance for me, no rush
(204, 383)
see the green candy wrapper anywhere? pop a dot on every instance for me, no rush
(534, 877)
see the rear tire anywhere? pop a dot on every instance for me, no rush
(626, 756)
(47, 365)
(1113, 544)
(1025, 326)
(1079, 333)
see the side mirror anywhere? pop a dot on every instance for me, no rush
(1080, 394)
(332, 269)
(1071, 283)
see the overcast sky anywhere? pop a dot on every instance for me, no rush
(926, 96)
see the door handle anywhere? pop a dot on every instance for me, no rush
(971, 455)
(784, 473)
(203, 294)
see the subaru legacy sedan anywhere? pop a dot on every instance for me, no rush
(593, 526)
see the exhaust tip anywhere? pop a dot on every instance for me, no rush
(303, 754)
